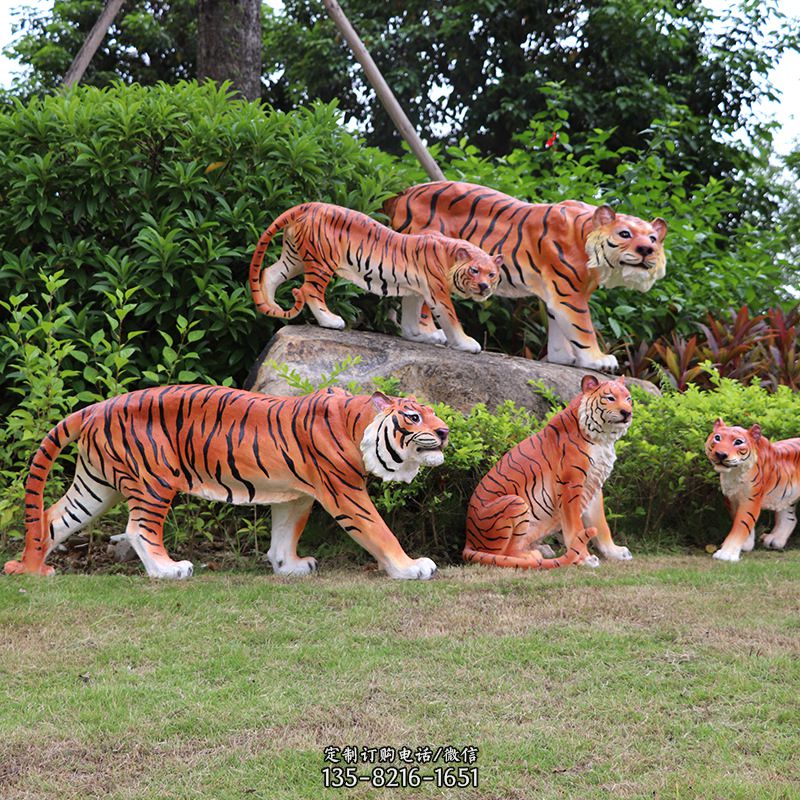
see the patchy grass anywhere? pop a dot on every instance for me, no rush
(665, 678)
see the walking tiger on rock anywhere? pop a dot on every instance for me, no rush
(320, 240)
(560, 252)
(239, 447)
(553, 481)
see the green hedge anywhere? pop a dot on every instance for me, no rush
(153, 198)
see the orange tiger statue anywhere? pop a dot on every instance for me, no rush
(560, 252)
(239, 447)
(553, 481)
(321, 240)
(755, 474)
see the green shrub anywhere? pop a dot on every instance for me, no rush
(153, 198)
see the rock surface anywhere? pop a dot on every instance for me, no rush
(432, 372)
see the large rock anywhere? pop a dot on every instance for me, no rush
(433, 372)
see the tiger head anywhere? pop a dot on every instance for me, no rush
(475, 274)
(625, 250)
(605, 410)
(403, 437)
(728, 448)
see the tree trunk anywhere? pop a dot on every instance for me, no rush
(229, 44)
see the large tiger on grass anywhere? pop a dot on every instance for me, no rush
(321, 240)
(560, 252)
(755, 474)
(239, 447)
(553, 481)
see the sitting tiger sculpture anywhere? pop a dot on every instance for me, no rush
(553, 481)
(560, 252)
(755, 474)
(238, 447)
(321, 240)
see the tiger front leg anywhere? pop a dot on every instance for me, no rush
(288, 521)
(785, 522)
(595, 516)
(572, 525)
(416, 322)
(445, 314)
(576, 332)
(357, 514)
(742, 532)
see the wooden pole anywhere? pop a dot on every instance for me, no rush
(383, 91)
(89, 47)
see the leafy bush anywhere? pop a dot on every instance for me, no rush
(150, 201)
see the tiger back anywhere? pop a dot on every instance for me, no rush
(560, 252)
(238, 447)
(322, 240)
(552, 481)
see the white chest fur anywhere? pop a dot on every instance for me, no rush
(736, 484)
(603, 457)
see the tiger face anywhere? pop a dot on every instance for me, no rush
(606, 409)
(475, 274)
(729, 448)
(403, 437)
(626, 250)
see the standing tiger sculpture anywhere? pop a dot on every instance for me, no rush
(553, 481)
(239, 447)
(755, 474)
(321, 240)
(560, 252)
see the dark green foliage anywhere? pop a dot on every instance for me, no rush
(151, 201)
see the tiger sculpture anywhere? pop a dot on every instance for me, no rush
(755, 474)
(560, 252)
(321, 240)
(553, 481)
(238, 447)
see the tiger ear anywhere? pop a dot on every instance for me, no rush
(603, 216)
(498, 260)
(621, 379)
(719, 423)
(381, 401)
(463, 253)
(755, 432)
(660, 227)
(589, 383)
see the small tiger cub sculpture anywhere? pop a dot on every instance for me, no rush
(553, 481)
(560, 252)
(755, 474)
(238, 447)
(320, 240)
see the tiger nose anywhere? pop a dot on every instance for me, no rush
(443, 433)
(626, 415)
(644, 250)
(483, 286)
(720, 456)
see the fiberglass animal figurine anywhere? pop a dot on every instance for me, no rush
(320, 240)
(560, 252)
(238, 447)
(755, 474)
(553, 481)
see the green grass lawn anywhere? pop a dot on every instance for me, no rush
(671, 677)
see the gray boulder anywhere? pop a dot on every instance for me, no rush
(432, 372)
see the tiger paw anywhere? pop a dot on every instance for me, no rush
(171, 570)
(773, 542)
(297, 567)
(419, 569)
(602, 363)
(467, 345)
(433, 337)
(615, 553)
(19, 568)
(590, 561)
(726, 555)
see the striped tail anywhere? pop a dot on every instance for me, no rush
(577, 551)
(263, 303)
(35, 551)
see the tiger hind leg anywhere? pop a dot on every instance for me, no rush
(86, 499)
(499, 533)
(288, 266)
(145, 532)
(416, 322)
(288, 521)
(312, 292)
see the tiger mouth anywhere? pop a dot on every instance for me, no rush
(431, 446)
